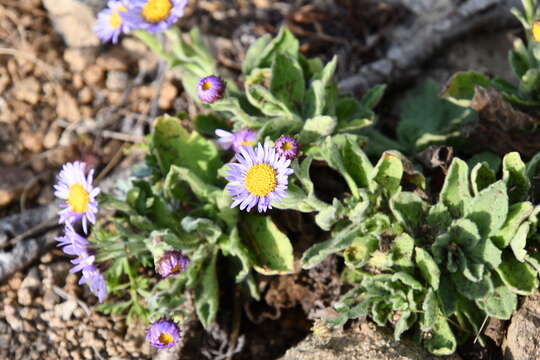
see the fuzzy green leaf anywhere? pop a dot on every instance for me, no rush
(488, 210)
(372, 97)
(442, 340)
(481, 177)
(233, 246)
(265, 101)
(171, 144)
(515, 177)
(520, 277)
(317, 127)
(455, 192)
(519, 241)
(409, 209)
(388, 172)
(262, 52)
(402, 250)
(205, 228)
(428, 267)
(178, 175)
(472, 290)
(430, 308)
(208, 123)
(287, 81)
(271, 249)
(500, 303)
(439, 218)
(460, 87)
(318, 252)
(207, 294)
(516, 215)
(447, 295)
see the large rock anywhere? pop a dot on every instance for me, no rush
(522, 338)
(369, 343)
(74, 21)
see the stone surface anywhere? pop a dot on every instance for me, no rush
(522, 338)
(74, 21)
(367, 343)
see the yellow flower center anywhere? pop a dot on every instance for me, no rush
(115, 21)
(261, 179)
(78, 198)
(156, 10)
(176, 269)
(287, 145)
(207, 85)
(246, 143)
(166, 338)
(536, 31)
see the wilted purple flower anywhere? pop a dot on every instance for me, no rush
(110, 22)
(210, 89)
(154, 15)
(171, 264)
(286, 146)
(79, 194)
(76, 245)
(259, 177)
(163, 334)
(239, 139)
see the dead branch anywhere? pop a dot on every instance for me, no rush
(412, 45)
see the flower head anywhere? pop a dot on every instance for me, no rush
(237, 140)
(163, 334)
(110, 22)
(210, 89)
(286, 146)
(536, 30)
(259, 177)
(154, 15)
(78, 193)
(171, 264)
(76, 245)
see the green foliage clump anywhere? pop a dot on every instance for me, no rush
(436, 268)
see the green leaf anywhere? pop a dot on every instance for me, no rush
(428, 267)
(447, 295)
(455, 192)
(359, 252)
(428, 119)
(402, 250)
(519, 58)
(287, 81)
(372, 97)
(488, 210)
(205, 228)
(460, 88)
(178, 175)
(499, 303)
(271, 249)
(318, 252)
(517, 213)
(520, 277)
(442, 340)
(481, 177)
(430, 308)
(472, 290)
(261, 54)
(315, 97)
(406, 320)
(519, 241)
(439, 218)
(171, 144)
(317, 127)
(388, 172)
(207, 294)
(409, 209)
(265, 101)
(329, 215)
(515, 177)
(207, 124)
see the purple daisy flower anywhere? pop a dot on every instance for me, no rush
(286, 146)
(110, 22)
(237, 140)
(210, 89)
(259, 177)
(76, 245)
(79, 194)
(163, 334)
(154, 15)
(171, 264)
